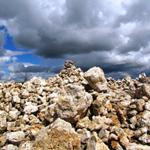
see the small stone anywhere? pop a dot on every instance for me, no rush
(2, 140)
(30, 108)
(10, 147)
(115, 145)
(145, 120)
(16, 99)
(11, 126)
(94, 143)
(15, 137)
(140, 105)
(25, 93)
(26, 145)
(104, 135)
(145, 139)
(14, 114)
(113, 137)
(146, 90)
(132, 113)
(147, 105)
(135, 146)
(84, 135)
(124, 140)
(97, 123)
(3, 122)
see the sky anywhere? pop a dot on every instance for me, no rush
(37, 36)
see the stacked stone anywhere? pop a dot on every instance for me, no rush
(75, 110)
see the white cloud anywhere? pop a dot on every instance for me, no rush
(111, 33)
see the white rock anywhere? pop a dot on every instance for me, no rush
(16, 99)
(145, 139)
(96, 79)
(71, 104)
(134, 146)
(30, 108)
(147, 105)
(146, 90)
(25, 93)
(26, 146)
(3, 122)
(145, 120)
(15, 137)
(14, 114)
(10, 147)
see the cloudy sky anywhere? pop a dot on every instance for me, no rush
(36, 36)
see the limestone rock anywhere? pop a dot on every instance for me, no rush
(96, 144)
(3, 123)
(16, 99)
(134, 146)
(147, 105)
(145, 139)
(15, 137)
(14, 113)
(72, 104)
(30, 108)
(84, 135)
(96, 79)
(2, 140)
(97, 123)
(26, 145)
(146, 90)
(59, 136)
(10, 147)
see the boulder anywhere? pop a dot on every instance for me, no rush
(96, 79)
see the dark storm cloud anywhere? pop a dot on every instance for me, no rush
(2, 34)
(138, 11)
(138, 38)
(75, 30)
(114, 34)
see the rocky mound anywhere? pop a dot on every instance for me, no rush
(75, 110)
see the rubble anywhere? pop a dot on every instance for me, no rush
(75, 110)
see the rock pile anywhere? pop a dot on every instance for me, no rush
(75, 111)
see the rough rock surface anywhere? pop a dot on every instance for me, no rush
(76, 111)
(96, 78)
(59, 136)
